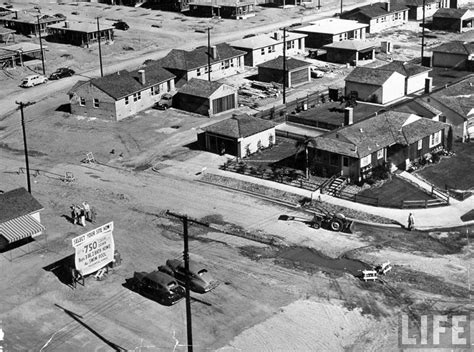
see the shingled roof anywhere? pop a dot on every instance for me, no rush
(200, 87)
(191, 60)
(455, 47)
(240, 126)
(458, 97)
(367, 136)
(16, 203)
(123, 83)
(405, 68)
(367, 75)
(291, 64)
(375, 10)
(416, 3)
(352, 44)
(452, 13)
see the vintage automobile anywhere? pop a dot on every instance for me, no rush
(158, 285)
(61, 73)
(165, 102)
(121, 25)
(200, 279)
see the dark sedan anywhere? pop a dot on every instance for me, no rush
(158, 285)
(61, 73)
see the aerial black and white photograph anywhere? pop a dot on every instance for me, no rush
(236, 175)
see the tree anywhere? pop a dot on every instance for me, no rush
(303, 145)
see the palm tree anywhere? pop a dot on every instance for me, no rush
(304, 144)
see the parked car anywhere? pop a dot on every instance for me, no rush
(121, 25)
(158, 285)
(316, 73)
(200, 279)
(33, 80)
(165, 102)
(61, 73)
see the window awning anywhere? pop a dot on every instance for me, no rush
(19, 228)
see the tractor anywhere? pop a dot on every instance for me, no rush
(325, 219)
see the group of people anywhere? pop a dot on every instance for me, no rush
(81, 214)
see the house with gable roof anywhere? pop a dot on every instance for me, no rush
(415, 75)
(375, 85)
(297, 71)
(224, 61)
(379, 15)
(207, 98)
(240, 135)
(455, 20)
(390, 137)
(415, 7)
(121, 94)
(19, 217)
(350, 51)
(457, 55)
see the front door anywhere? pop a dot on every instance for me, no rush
(345, 166)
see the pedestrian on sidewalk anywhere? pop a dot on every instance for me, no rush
(87, 210)
(411, 222)
(74, 216)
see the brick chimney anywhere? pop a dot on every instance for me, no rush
(214, 52)
(428, 84)
(66, 24)
(387, 6)
(142, 76)
(277, 35)
(348, 116)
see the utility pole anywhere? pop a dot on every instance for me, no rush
(209, 54)
(284, 65)
(341, 10)
(100, 51)
(319, 4)
(423, 34)
(22, 105)
(189, 326)
(41, 43)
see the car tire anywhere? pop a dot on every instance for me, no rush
(336, 225)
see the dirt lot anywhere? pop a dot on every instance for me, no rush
(296, 297)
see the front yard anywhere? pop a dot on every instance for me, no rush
(455, 171)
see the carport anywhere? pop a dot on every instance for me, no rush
(297, 71)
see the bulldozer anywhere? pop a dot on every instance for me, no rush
(325, 219)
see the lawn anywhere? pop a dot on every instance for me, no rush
(393, 192)
(456, 171)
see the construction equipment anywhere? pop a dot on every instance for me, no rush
(325, 219)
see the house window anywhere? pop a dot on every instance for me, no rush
(379, 154)
(225, 64)
(366, 160)
(262, 51)
(96, 103)
(420, 144)
(342, 36)
(82, 101)
(135, 97)
(127, 100)
(333, 159)
(345, 161)
(290, 44)
(155, 90)
(198, 71)
(435, 139)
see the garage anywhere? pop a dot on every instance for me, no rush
(297, 71)
(205, 97)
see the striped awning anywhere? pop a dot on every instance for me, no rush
(19, 228)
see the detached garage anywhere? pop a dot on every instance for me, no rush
(205, 98)
(297, 71)
(241, 135)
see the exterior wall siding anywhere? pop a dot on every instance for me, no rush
(416, 83)
(88, 92)
(365, 92)
(393, 88)
(458, 62)
(251, 142)
(255, 57)
(384, 22)
(217, 71)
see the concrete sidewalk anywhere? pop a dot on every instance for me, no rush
(438, 217)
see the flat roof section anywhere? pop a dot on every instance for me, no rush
(331, 26)
(85, 27)
(264, 40)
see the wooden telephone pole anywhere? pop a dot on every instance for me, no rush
(21, 106)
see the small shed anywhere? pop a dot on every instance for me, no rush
(350, 51)
(297, 71)
(455, 20)
(457, 55)
(19, 217)
(81, 33)
(240, 135)
(205, 97)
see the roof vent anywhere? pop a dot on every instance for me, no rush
(361, 130)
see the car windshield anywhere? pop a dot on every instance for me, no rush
(202, 272)
(171, 285)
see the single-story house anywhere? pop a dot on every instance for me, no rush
(297, 71)
(350, 51)
(20, 54)
(375, 85)
(331, 30)
(456, 55)
(419, 107)
(81, 33)
(207, 98)
(19, 217)
(415, 75)
(171, 5)
(457, 4)
(456, 104)
(379, 15)
(224, 9)
(264, 47)
(453, 19)
(415, 7)
(394, 137)
(27, 24)
(224, 60)
(240, 135)
(121, 94)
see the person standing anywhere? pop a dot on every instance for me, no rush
(87, 210)
(411, 222)
(73, 214)
(82, 217)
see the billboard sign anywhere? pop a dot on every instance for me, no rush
(94, 249)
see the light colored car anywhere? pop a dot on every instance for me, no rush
(316, 73)
(200, 279)
(33, 80)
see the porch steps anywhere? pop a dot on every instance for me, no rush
(336, 185)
